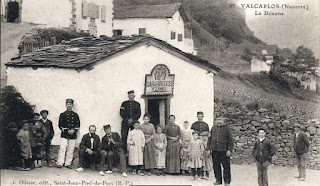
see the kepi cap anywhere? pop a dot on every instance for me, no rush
(131, 92)
(205, 133)
(69, 101)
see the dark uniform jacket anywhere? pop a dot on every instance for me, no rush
(130, 109)
(220, 139)
(86, 142)
(263, 151)
(106, 146)
(301, 143)
(69, 120)
(49, 127)
(200, 126)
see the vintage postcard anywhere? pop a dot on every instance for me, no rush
(160, 92)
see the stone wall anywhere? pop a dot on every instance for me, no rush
(245, 120)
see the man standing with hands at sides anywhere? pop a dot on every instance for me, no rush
(130, 111)
(301, 147)
(220, 143)
(69, 124)
(200, 125)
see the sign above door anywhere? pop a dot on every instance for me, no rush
(159, 81)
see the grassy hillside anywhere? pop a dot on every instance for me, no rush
(248, 89)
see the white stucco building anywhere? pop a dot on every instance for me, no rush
(98, 72)
(93, 16)
(167, 22)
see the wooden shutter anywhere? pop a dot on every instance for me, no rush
(103, 13)
(97, 16)
(173, 35)
(179, 37)
(91, 10)
(85, 9)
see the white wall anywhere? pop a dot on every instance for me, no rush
(155, 27)
(103, 28)
(99, 93)
(159, 28)
(53, 13)
(259, 66)
(57, 13)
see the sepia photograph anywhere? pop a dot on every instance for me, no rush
(160, 92)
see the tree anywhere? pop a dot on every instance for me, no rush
(305, 57)
(247, 55)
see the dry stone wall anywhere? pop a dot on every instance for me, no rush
(245, 120)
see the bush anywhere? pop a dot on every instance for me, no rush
(60, 34)
(253, 106)
(15, 108)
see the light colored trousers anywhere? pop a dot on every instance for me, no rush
(65, 155)
(301, 162)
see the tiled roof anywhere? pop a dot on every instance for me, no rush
(256, 49)
(146, 11)
(80, 53)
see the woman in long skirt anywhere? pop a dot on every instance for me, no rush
(149, 150)
(160, 143)
(173, 133)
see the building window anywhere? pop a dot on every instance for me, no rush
(117, 32)
(173, 35)
(142, 31)
(180, 37)
(308, 87)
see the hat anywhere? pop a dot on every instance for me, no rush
(262, 129)
(44, 111)
(69, 101)
(131, 92)
(195, 132)
(200, 113)
(136, 121)
(205, 133)
(106, 126)
(12, 125)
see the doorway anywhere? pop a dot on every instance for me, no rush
(158, 108)
(13, 12)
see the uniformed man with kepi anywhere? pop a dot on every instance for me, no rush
(130, 111)
(69, 124)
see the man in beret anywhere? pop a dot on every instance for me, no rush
(220, 143)
(89, 153)
(69, 124)
(301, 147)
(200, 125)
(111, 150)
(50, 133)
(130, 111)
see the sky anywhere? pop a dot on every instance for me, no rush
(296, 27)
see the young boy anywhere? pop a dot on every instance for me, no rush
(207, 158)
(26, 153)
(50, 133)
(37, 135)
(135, 144)
(11, 146)
(262, 152)
(200, 125)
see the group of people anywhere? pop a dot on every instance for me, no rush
(28, 145)
(165, 149)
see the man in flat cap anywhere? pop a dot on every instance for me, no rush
(301, 147)
(200, 125)
(130, 111)
(69, 124)
(220, 143)
(50, 133)
(111, 149)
